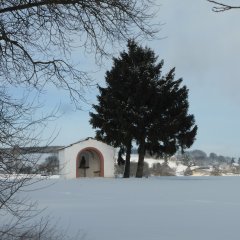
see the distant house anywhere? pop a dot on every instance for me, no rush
(86, 158)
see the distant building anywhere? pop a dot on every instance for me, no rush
(86, 158)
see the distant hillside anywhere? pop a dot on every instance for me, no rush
(199, 157)
(29, 150)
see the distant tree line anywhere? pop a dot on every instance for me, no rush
(197, 157)
(50, 166)
(200, 158)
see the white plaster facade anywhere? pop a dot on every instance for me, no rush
(99, 157)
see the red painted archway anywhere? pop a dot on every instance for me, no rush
(100, 157)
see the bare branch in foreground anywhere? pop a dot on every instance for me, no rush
(222, 7)
(37, 38)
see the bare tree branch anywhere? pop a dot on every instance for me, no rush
(38, 37)
(222, 7)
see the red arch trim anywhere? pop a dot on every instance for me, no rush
(100, 156)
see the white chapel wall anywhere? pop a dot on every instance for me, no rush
(68, 156)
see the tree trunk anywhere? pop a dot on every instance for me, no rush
(127, 161)
(141, 154)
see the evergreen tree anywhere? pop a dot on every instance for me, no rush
(112, 118)
(140, 104)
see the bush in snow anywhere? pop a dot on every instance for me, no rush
(188, 171)
(216, 171)
(165, 170)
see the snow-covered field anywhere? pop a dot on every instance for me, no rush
(162, 208)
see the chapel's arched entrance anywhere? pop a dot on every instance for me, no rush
(90, 163)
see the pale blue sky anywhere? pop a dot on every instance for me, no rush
(205, 49)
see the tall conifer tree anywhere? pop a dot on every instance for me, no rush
(139, 104)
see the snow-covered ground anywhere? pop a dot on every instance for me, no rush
(156, 208)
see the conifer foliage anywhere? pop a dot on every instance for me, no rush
(141, 104)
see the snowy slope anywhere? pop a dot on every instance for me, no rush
(161, 208)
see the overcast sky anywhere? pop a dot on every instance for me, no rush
(205, 49)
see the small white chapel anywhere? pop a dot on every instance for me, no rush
(86, 158)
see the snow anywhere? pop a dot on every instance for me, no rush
(155, 208)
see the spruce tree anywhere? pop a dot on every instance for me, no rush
(166, 126)
(139, 104)
(112, 118)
